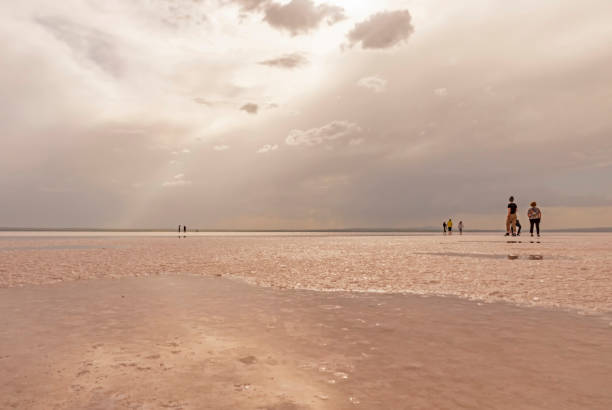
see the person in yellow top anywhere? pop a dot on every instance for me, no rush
(449, 225)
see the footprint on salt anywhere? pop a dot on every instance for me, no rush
(248, 360)
(512, 257)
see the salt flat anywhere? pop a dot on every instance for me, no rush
(305, 322)
(566, 271)
(188, 342)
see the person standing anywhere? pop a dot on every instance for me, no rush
(449, 224)
(184, 229)
(444, 227)
(518, 225)
(535, 216)
(460, 226)
(511, 217)
(179, 228)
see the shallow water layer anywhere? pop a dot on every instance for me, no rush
(567, 271)
(188, 342)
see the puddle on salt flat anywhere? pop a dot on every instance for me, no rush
(486, 255)
(142, 333)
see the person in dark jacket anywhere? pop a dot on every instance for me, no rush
(511, 217)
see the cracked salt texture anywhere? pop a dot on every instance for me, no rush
(567, 271)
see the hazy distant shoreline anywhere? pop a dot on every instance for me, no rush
(346, 230)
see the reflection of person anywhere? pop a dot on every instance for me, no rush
(535, 215)
(511, 218)
(450, 226)
(518, 225)
(460, 227)
(444, 226)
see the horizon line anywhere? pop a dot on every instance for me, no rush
(347, 230)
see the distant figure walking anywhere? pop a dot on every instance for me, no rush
(184, 228)
(460, 226)
(535, 216)
(450, 226)
(444, 226)
(511, 218)
(518, 225)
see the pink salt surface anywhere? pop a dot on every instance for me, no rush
(575, 271)
(188, 342)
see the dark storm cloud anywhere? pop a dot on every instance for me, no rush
(382, 30)
(288, 61)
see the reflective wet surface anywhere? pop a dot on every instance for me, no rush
(188, 342)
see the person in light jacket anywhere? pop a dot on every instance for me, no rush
(535, 216)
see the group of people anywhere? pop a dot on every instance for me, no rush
(448, 227)
(512, 223)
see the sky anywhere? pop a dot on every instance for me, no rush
(302, 114)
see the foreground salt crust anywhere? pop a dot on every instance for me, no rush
(189, 342)
(568, 271)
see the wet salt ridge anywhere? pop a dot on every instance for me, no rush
(566, 271)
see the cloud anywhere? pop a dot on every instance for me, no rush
(356, 141)
(301, 16)
(178, 180)
(374, 83)
(267, 148)
(202, 101)
(250, 108)
(89, 45)
(288, 61)
(441, 92)
(220, 148)
(249, 5)
(328, 132)
(382, 30)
